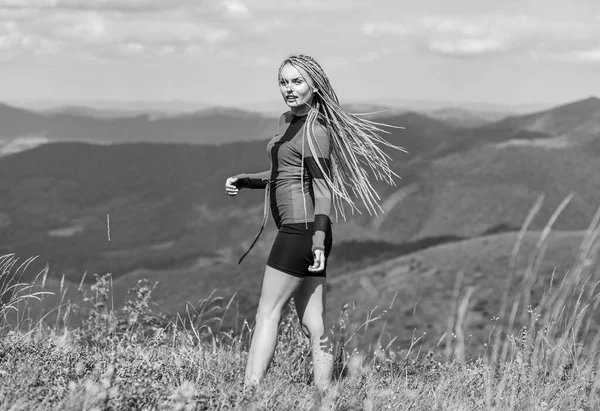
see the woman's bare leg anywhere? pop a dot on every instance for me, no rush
(310, 305)
(277, 289)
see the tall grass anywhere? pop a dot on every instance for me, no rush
(540, 355)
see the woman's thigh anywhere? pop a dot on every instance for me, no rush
(277, 289)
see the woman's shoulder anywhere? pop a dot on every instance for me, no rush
(286, 117)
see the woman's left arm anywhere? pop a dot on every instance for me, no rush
(322, 192)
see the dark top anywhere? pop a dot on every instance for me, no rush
(298, 190)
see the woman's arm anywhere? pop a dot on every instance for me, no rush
(259, 180)
(322, 192)
(256, 180)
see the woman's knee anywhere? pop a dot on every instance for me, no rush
(313, 327)
(268, 312)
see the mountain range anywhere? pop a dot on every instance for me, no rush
(158, 210)
(177, 122)
(81, 124)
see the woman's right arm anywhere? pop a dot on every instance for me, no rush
(256, 180)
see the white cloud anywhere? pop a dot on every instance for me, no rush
(84, 27)
(373, 55)
(184, 27)
(95, 5)
(467, 46)
(132, 48)
(78, 30)
(454, 35)
(310, 6)
(588, 56)
(377, 29)
(14, 40)
(492, 33)
(235, 8)
(232, 8)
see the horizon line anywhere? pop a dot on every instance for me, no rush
(391, 102)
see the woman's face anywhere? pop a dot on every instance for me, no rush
(295, 89)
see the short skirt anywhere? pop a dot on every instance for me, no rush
(292, 250)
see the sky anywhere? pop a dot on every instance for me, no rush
(227, 52)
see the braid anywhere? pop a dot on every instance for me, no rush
(354, 143)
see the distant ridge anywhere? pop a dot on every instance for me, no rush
(207, 126)
(459, 117)
(217, 124)
(578, 120)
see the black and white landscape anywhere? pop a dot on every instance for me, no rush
(153, 185)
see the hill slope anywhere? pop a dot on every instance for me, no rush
(459, 117)
(208, 127)
(59, 200)
(417, 290)
(576, 121)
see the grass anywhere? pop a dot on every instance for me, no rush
(540, 354)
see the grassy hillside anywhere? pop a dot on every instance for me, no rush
(439, 344)
(470, 192)
(418, 289)
(166, 208)
(579, 120)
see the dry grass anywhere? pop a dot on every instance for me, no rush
(541, 354)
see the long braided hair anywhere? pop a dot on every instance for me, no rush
(354, 143)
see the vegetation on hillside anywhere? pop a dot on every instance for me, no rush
(540, 355)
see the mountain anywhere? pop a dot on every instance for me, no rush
(475, 106)
(468, 193)
(459, 117)
(165, 206)
(101, 113)
(56, 198)
(578, 121)
(135, 107)
(159, 211)
(490, 176)
(215, 126)
(15, 122)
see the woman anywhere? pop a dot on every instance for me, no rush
(318, 150)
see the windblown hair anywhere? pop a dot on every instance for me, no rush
(354, 143)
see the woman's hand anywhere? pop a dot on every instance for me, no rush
(230, 187)
(319, 261)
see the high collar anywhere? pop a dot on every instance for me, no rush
(296, 118)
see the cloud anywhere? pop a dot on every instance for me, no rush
(491, 33)
(306, 6)
(377, 29)
(467, 46)
(15, 41)
(133, 27)
(95, 5)
(98, 31)
(235, 8)
(452, 35)
(373, 55)
(588, 56)
(231, 8)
